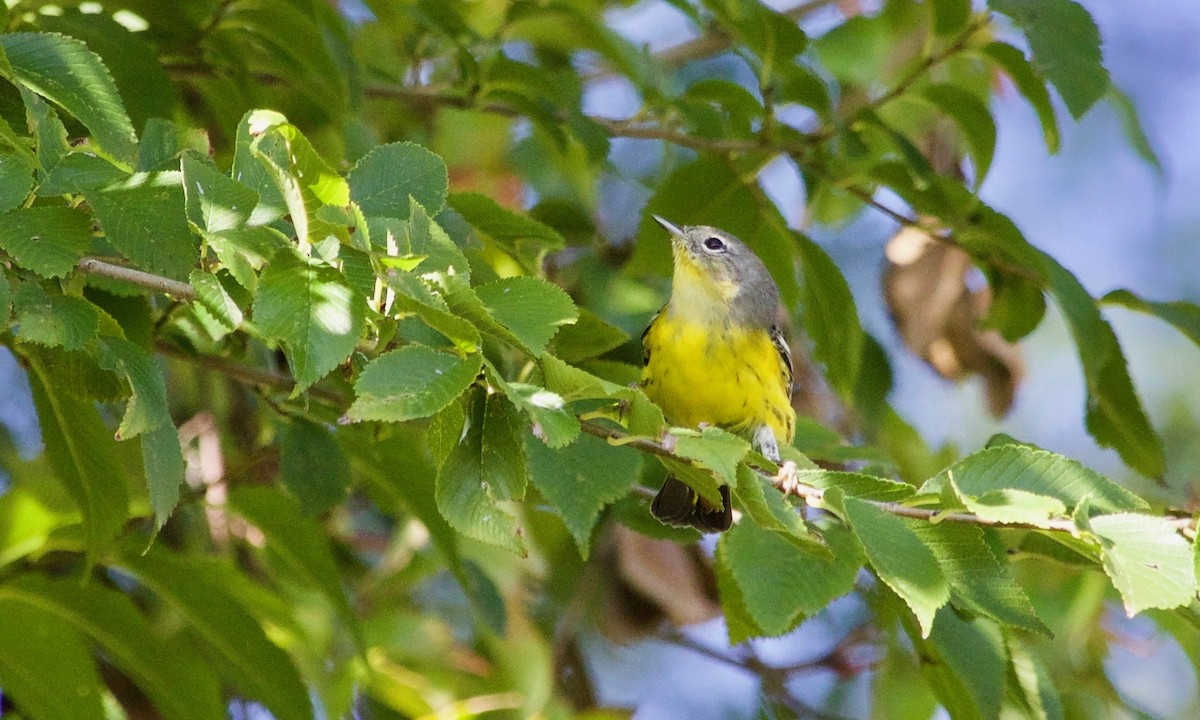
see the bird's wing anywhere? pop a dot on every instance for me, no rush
(785, 356)
(645, 347)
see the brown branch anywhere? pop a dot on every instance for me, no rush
(249, 375)
(157, 283)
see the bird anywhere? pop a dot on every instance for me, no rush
(714, 356)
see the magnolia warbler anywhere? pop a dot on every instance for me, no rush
(714, 356)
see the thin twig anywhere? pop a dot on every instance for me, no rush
(251, 375)
(157, 283)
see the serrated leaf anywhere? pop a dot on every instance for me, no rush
(574, 384)
(553, 423)
(531, 308)
(65, 71)
(1066, 47)
(251, 171)
(1009, 505)
(1149, 562)
(81, 451)
(214, 201)
(1031, 86)
(1131, 124)
(856, 485)
(162, 458)
(588, 337)
(306, 183)
(198, 589)
(714, 448)
(382, 182)
(243, 252)
(1040, 472)
(411, 382)
(310, 308)
(901, 559)
(739, 623)
(581, 479)
(1034, 681)
(163, 143)
(424, 236)
(313, 466)
(54, 320)
(298, 541)
(147, 408)
(505, 469)
(214, 298)
(464, 496)
(780, 584)
(979, 581)
(143, 218)
(518, 235)
(1184, 316)
(1114, 415)
(969, 665)
(16, 180)
(6, 301)
(973, 120)
(830, 317)
(35, 645)
(769, 510)
(412, 296)
(47, 240)
(172, 677)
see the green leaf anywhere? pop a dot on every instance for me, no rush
(739, 623)
(304, 180)
(588, 337)
(973, 120)
(214, 298)
(712, 447)
(1149, 562)
(518, 235)
(856, 485)
(413, 297)
(198, 588)
(1131, 123)
(949, 15)
(47, 240)
(1040, 472)
(162, 458)
(1009, 505)
(81, 451)
(1034, 680)
(1030, 84)
(424, 236)
(16, 181)
(299, 542)
(830, 317)
(969, 667)
(312, 310)
(1066, 47)
(900, 558)
(313, 466)
(251, 171)
(553, 423)
(779, 584)
(1185, 316)
(63, 70)
(1114, 414)
(214, 201)
(581, 479)
(464, 494)
(979, 580)
(163, 143)
(147, 408)
(503, 449)
(532, 309)
(411, 382)
(245, 251)
(40, 658)
(6, 301)
(769, 510)
(172, 676)
(704, 481)
(143, 217)
(54, 320)
(382, 182)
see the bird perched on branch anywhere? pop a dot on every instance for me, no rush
(714, 356)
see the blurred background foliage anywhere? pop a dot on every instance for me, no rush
(326, 553)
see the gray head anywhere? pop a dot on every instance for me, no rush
(715, 273)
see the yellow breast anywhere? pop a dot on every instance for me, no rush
(717, 374)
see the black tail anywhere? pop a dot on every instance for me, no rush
(677, 504)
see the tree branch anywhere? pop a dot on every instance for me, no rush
(157, 283)
(785, 481)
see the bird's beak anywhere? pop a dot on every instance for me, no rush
(668, 226)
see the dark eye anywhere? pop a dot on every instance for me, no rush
(714, 243)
